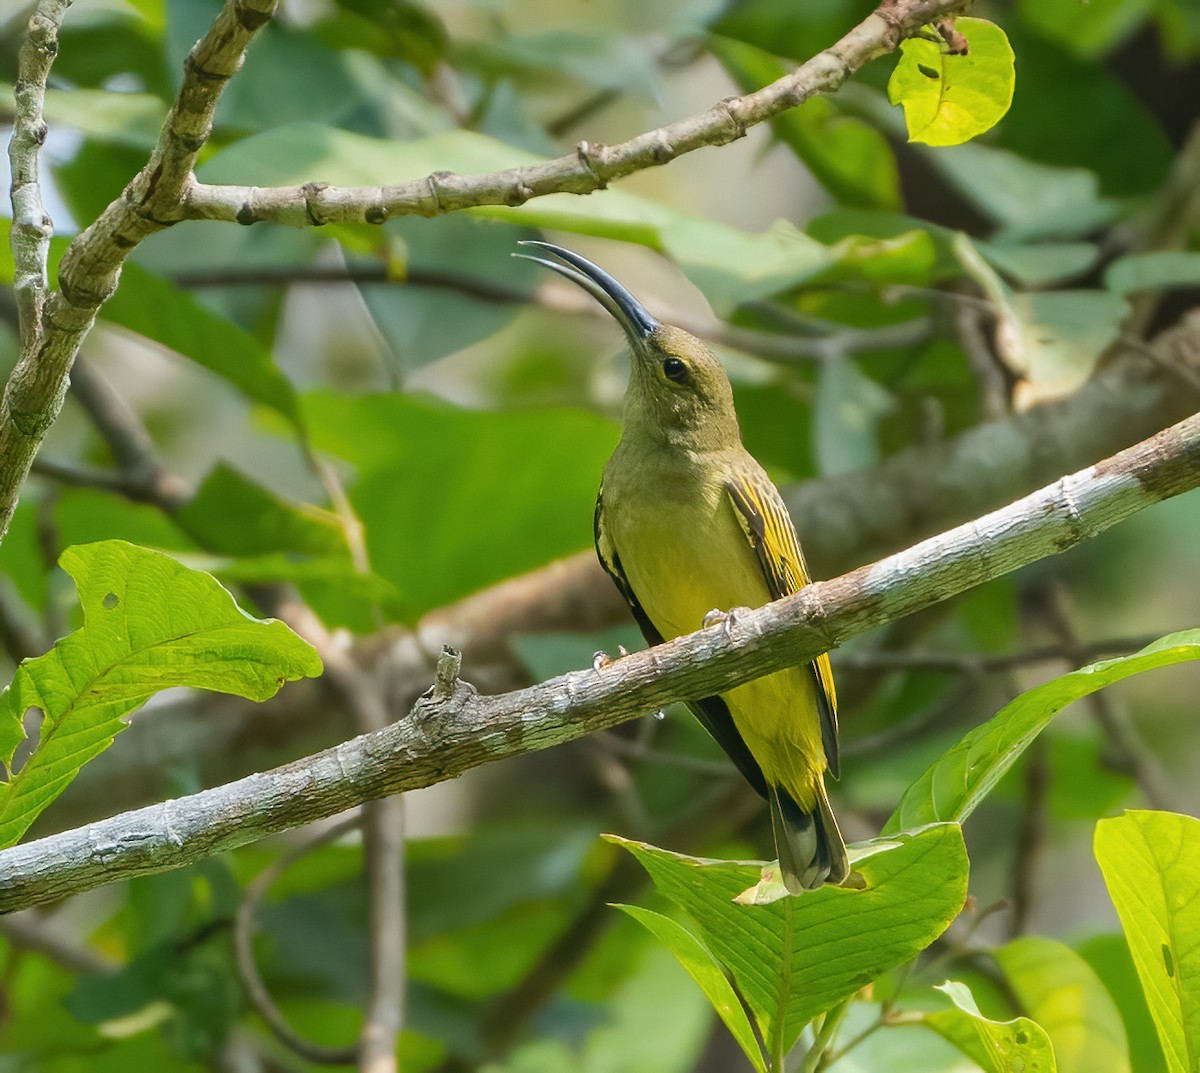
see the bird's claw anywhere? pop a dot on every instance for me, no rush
(602, 659)
(727, 618)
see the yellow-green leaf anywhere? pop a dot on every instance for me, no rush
(149, 623)
(994, 1046)
(1151, 864)
(949, 99)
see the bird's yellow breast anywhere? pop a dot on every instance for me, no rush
(684, 553)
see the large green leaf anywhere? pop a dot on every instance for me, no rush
(152, 307)
(994, 1046)
(704, 968)
(1151, 864)
(454, 500)
(149, 623)
(231, 514)
(1062, 993)
(959, 780)
(949, 99)
(795, 958)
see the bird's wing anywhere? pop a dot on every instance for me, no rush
(712, 712)
(769, 530)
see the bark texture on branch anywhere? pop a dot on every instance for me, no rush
(592, 166)
(844, 521)
(444, 735)
(91, 267)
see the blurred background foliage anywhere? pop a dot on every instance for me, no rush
(466, 405)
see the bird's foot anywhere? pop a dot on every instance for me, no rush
(727, 618)
(602, 659)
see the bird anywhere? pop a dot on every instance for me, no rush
(689, 527)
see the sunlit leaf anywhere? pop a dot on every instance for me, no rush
(796, 957)
(1059, 990)
(704, 968)
(957, 782)
(994, 1046)
(1151, 864)
(949, 99)
(149, 624)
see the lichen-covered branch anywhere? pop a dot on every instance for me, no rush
(592, 166)
(444, 735)
(31, 225)
(92, 264)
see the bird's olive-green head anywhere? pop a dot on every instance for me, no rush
(678, 393)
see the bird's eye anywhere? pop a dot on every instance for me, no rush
(674, 369)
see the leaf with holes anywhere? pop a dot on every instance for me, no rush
(949, 99)
(994, 1046)
(796, 957)
(149, 623)
(1151, 864)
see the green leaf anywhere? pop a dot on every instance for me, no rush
(1060, 336)
(994, 1046)
(957, 782)
(1086, 29)
(231, 514)
(950, 99)
(797, 957)
(1153, 271)
(1059, 990)
(154, 308)
(1040, 264)
(484, 506)
(132, 119)
(847, 156)
(1108, 955)
(704, 968)
(1151, 865)
(849, 408)
(149, 623)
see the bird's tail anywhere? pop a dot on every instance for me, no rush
(809, 844)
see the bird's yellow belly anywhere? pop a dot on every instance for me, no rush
(691, 559)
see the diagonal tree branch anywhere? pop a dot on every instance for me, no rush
(31, 225)
(453, 729)
(592, 166)
(92, 264)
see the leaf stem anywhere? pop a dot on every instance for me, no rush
(825, 1035)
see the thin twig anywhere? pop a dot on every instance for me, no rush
(592, 166)
(441, 738)
(975, 663)
(30, 930)
(383, 848)
(91, 266)
(247, 969)
(830, 1023)
(822, 341)
(1031, 836)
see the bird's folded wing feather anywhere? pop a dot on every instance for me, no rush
(769, 529)
(712, 712)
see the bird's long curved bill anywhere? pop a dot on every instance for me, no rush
(627, 310)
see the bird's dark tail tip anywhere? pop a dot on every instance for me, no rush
(809, 844)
